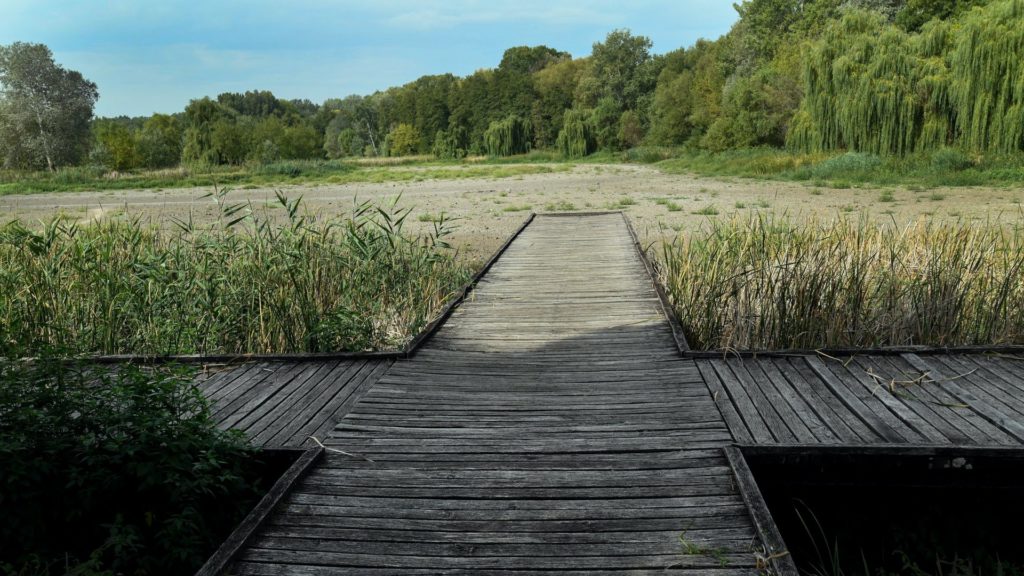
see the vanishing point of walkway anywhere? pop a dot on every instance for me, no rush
(549, 426)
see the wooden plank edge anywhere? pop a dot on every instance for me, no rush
(219, 561)
(776, 556)
(840, 352)
(460, 296)
(236, 358)
(581, 213)
(666, 306)
(883, 449)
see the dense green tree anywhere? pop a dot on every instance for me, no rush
(621, 69)
(555, 86)
(473, 107)
(300, 141)
(915, 13)
(200, 117)
(230, 141)
(451, 143)
(256, 103)
(604, 119)
(159, 142)
(338, 137)
(403, 140)
(116, 145)
(44, 109)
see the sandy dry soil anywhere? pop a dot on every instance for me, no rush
(488, 210)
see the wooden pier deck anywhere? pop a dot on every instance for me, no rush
(549, 426)
(552, 426)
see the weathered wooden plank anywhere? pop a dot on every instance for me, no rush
(856, 404)
(752, 418)
(990, 419)
(321, 423)
(984, 381)
(790, 407)
(890, 396)
(557, 538)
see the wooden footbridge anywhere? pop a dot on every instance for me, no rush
(551, 425)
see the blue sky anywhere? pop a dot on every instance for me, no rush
(155, 56)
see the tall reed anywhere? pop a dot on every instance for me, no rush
(771, 282)
(254, 282)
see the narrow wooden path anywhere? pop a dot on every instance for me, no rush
(549, 427)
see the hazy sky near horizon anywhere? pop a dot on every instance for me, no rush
(155, 56)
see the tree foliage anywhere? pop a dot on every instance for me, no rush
(879, 76)
(576, 138)
(44, 109)
(871, 86)
(508, 137)
(403, 140)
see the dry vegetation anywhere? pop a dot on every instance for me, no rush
(765, 282)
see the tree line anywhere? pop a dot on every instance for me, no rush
(879, 76)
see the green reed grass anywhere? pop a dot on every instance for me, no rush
(257, 281)
(769, 282)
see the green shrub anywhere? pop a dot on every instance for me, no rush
(648, 154)
(114, 472)
(847, 164)
(950, 160)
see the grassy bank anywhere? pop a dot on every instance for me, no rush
(249, 282)
(928, 170)
(769, 283)
(310, 172)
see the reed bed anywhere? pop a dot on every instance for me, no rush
(259, 280)
(770, 282)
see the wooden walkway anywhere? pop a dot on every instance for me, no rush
(908, 399)
(549, 427)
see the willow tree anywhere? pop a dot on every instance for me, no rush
(508, 137)
(576, 139)
(873, 87)
(865, 89)
(987, 67)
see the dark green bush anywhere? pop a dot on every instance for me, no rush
(950, 160)
(114, 472)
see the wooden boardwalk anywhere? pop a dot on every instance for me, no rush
(550, 426)
(907, 399)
